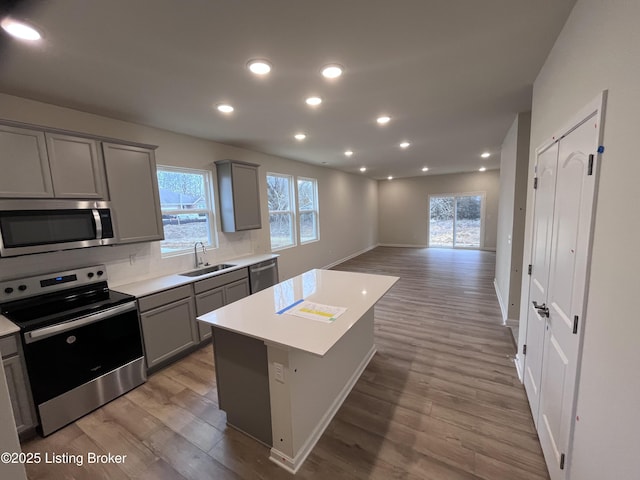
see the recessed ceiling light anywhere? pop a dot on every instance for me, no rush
(425, 169)
(332, 70)
(259, 66)
(404, 145)
(482, 169)
(313, 101)
(224, 108)
(389, 177)
(348, 153)
(485, 155)
(20, 30)
(383, 120)
(363, 169)
(300, 136)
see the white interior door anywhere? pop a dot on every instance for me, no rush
(541, 258)
(573, 212)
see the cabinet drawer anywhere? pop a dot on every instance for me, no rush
(220, 280)
(158, 299)
(8, 346)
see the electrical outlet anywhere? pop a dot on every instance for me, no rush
(278, 372)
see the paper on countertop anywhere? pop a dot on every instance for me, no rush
(316, 311)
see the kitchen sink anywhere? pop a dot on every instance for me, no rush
(205, 270)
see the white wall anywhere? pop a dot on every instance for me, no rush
(403, 205)
(514, 163)
(598, 49)
(348, 206)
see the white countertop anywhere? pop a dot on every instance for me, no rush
(255, 316)
(158, 284)
(7, 327)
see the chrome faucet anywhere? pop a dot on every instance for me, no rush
(199, 261)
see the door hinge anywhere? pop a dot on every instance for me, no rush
(562, 462)
(590, 168)
(575, 324)
(524, 349)
(535, 183)
(530, 269)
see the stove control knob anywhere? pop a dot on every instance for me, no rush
(22, 288)
(8, 290)
(100, 273)
(90, 274)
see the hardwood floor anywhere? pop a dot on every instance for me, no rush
(440, 400)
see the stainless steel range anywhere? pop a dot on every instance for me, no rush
(81, 341)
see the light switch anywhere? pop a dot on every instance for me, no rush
(278, 372)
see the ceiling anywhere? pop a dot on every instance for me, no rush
(452, 74)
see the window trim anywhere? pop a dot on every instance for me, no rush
(209, 212)
(291, 212)
(315, 210)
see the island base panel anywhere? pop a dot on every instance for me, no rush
(312, 390)
(243, 383)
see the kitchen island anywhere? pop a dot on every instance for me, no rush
(281, 377)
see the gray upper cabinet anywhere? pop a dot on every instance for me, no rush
(77, 168)
(133, 187)
(24, 164)
(239, 193)
(38, 164)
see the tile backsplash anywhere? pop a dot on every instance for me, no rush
(128, 263)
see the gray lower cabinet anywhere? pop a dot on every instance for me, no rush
(207, 302)
(215, 292)
(18, 385)
(133, 188)
(168, 325)
(236, 290)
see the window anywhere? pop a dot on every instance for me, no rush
(187, 212)
(308, 209)
(455, 221)
(281, 210)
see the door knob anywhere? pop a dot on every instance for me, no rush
(543, 310)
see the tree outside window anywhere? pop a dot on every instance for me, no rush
(187, 211)
(308, 209)
(281, 210)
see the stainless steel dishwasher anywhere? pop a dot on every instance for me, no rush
(263, 275)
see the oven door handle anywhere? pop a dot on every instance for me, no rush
(42, 333)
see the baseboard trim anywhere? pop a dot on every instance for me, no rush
(293, 464)
(516, 360)
(342, 260)
(411, 245)
(401, 245)
(503, 307)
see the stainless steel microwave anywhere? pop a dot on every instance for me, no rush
(36, 226)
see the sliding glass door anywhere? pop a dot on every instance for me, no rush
(455, 221)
